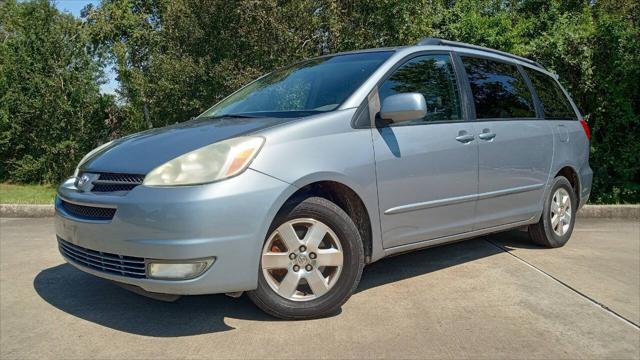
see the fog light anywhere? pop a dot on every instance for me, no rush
(158, 269)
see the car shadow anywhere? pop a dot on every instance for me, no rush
(513, 240)
(102, 302)
(425, 261)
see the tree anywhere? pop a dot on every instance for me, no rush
(130, 31)
(51, 111)
(175, 58)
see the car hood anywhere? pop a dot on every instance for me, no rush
(142, 152)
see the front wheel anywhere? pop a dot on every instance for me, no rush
(311, 261)
(558, 217)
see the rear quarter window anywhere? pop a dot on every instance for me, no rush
(498, 88)
(554, 102)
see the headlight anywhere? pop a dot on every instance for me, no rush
(210, 163)
(89, 155)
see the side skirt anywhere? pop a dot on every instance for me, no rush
(454, 238)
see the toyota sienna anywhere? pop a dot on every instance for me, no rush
(287, 188)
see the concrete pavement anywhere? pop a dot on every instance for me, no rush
(492, 297)
(603, 264)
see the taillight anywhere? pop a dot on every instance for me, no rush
(585, 126)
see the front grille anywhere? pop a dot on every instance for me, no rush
(128, 266)
(112, 182)
(112, 187)
(88, 212)
(122, 178)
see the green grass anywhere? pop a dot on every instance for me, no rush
(26, 194)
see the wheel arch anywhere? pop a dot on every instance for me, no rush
(346, 197)
(571, 174)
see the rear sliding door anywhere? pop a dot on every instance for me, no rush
(515, 146)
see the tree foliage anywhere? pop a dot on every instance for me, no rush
(51, 111)
(175, 58)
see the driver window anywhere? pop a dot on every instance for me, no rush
(432, 76)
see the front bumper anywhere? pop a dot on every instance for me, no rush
(227, 220)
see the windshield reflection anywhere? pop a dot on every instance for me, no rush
(307, 88)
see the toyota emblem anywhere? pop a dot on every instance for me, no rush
(83, 182)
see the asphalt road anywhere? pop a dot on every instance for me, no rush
(491, 297)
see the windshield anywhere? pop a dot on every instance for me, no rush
(306, 88)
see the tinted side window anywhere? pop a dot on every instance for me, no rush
(499, 90)
(432, 76)
(554, 102)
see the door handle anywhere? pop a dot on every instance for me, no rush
(465, 138)
(487, 135)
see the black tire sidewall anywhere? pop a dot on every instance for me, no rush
(353, 261)
(553, 239)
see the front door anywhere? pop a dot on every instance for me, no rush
(426, 169)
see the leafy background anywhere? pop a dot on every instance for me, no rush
(175, 58)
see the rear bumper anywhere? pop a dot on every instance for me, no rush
(586, 179)
(227, 220)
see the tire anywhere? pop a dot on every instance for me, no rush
(274, 296)
(547, 233)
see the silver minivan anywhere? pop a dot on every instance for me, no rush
(287, 188)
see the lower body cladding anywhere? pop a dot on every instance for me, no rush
(186, 240)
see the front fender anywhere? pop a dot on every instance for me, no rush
(325, 148)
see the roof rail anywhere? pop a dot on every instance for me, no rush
(436, 41)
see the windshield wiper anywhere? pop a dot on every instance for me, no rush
(238, 116)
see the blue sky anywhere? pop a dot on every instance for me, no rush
(74, 7)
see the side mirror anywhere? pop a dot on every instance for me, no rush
(403, 107)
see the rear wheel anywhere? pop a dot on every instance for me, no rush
(311, 261)
(558, 217)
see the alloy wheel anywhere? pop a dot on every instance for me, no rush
(302, 259)
(560, 212)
